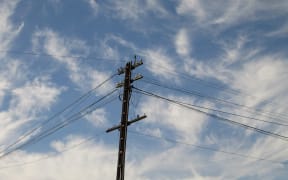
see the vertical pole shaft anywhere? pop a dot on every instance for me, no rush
(124, 121)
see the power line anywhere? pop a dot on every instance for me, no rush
(47, 133)
(52, 155)
(203, 82)
(71, 119)
(31, 53)
(197, 93)
(239, 115)
(279, 136)
(142, 134)
(184, 75)
(233, 114)
(78, 100)
(206, 148)
(223, 88)
(187, 76)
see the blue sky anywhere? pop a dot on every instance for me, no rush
(54, 51)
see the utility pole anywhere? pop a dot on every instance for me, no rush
(127, 90)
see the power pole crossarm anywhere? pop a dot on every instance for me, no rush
(128, 124)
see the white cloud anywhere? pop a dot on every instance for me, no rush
(26, 97)
(135, 10)
(79, 163)
(186, 123)
(110, 45)
(160, 64)
(35, 95)
(128, 10)
(177, 162)
(191, 7)
(246, 70)
(280, 32)
(182, 44)
(151, 131)
(201, 69)
(4, 84)
(94, 5)
(26, 103)
(227, 13)
(180, 161)
(157, 8)
(261, 77)
(119, 40)
(98, 117)
(233, 52)
(238, 167)
(64, 50)
(8, 31)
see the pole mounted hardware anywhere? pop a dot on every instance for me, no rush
(138, 118)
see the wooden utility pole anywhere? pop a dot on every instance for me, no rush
(124, 115)
(124, 122)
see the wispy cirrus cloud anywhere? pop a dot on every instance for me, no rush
(65, 50)
(8, 30)
(244, 66)
(78, 165)
(228, 13)
(157, 59)
(135, 10)
(23, 97)
(282, 31)
(182, 44)
(94, 5)
(26, 103)
(191, 124)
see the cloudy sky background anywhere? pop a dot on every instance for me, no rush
(54, 51)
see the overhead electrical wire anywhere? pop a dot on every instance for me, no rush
(58, 126)
(197, 93)
(205, 147)
(86, 140)
(31, 53)
(189, 77)
(210, 84)
(90, 108)
(70, 120)
(78, 100)
(223, 88)
(21, 164)
(234, 114)
(174, 72)
(41, 125)
(188, 106)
